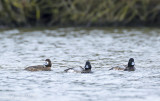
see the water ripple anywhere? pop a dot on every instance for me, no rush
(71, 47)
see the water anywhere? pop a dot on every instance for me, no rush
(71, 47)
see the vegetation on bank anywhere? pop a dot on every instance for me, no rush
(79, 12)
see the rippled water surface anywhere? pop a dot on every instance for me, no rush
(71, 47)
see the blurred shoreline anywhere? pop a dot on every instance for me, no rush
(79, 13)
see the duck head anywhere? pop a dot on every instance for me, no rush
(131, 62)
(88, 66)
(47, 63)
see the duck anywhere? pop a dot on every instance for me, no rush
(86, 69)
(45, 67)
(129, 67)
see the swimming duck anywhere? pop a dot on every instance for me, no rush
(129, 67)
(46, 67)
(86, 69)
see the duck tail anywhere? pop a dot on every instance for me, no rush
(111, 68)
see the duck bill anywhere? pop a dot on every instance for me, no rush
(132, 63)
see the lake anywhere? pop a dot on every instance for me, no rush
(72, 47)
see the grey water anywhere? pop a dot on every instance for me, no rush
(72, 47)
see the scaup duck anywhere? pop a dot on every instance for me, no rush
(46, 67)
(86, 69)
(129, 67)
